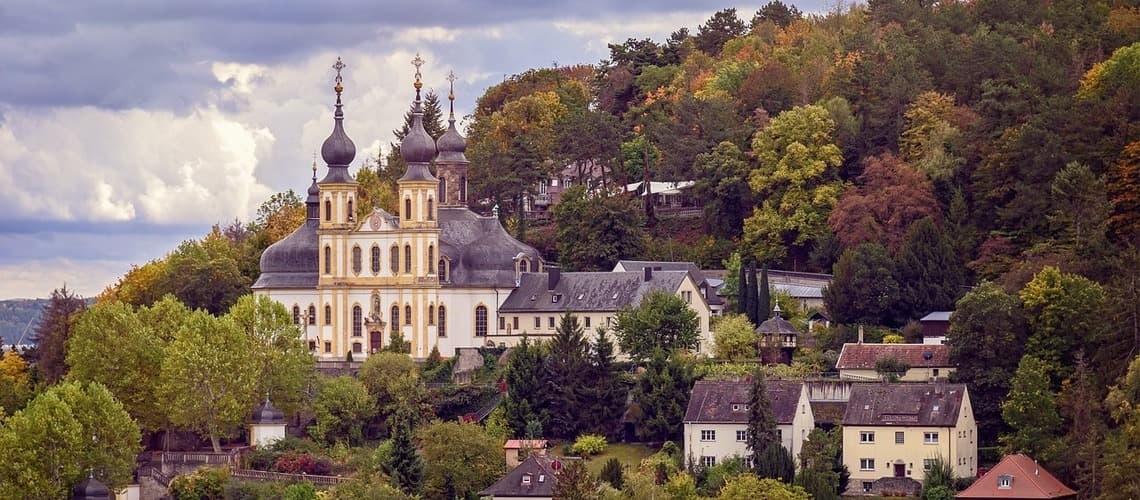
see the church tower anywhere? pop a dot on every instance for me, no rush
(338, 188)
(451, 164)
(418, 187)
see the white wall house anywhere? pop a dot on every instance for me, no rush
(716, 421)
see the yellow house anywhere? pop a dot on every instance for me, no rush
(925, 363)
(898, 430)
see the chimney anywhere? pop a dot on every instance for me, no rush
(648, 273)
(553, 274)
(860, 334)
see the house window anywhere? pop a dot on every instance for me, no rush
(708, 435)
(395, 319)
(357, 318)
(394, 259)
(1005, 481)
(867, 485)
(407, 314)
(502, 322)
(515, 323)
(431, 259)
(900, 437)
(328, 314)
(328, 260)
(550, 321)
(742, 435)
(356, 347)
(867, 437)
(930, 438)
(537, 322)
(328, 346)
(587, 321)
(431, 314)
(708, 461)
(356, 260)
(375, 259)
(407, 258)
(935, 372)
(408, 208)
(866, 464)
(463, 188)
(927, 464)
(688, 296)
(296, 315)
(481, 321)
(442, 328)
(312, 319)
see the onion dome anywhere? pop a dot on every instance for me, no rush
(338, 150)
(313, 201)
(451, 145)
(267, 414)
(90, 489)
(417, 148)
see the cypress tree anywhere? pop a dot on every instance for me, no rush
(753, 296)
(742, 291)
(765, 300)
(761, 422)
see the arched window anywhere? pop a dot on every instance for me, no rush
(375, 259)
(312, 319)
(407, 315)
(357, 321)
(351, 214)
(442, 329)
(328, 259)
(431, 259)
(296, 315)
(407, 258)
(443, 269)
(328, 210)
(463, 188)
(524, 266)
(394, 258)
(429, 209)
(356, 260)
(395, 319)
(481, 321)
(408, 208)
(328, 314)
(431, 314)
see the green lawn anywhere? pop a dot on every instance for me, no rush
(627, 454)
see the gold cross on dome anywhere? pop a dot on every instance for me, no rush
(451, 80)
(417, 62)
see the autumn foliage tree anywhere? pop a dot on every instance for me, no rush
(887, 198)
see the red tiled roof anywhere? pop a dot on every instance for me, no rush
(864, 356)
(531, 444)
(1029, 480)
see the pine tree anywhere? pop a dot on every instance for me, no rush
(930, 274)
(605, 394)
(663, 394)
(406, 467)
(612, 473)
(397, 344)
(764, 303)
(564, 366)
(52, 333)
(525, 401)
(761, 422)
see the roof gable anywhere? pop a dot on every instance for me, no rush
(905, 404)
(864, 356)
(1027, 480)
(726, 400)
(534, 477)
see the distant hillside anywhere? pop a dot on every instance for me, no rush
(18, 315)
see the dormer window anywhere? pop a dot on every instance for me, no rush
(1005, 482)
(526, 480)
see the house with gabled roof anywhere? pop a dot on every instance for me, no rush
(924, 362)
(533, 479)
(899, 430)
(716, 420)
(709, 287)
(535, 305)
(1017, 476)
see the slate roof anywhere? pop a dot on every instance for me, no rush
(904, 404)
(587, 291)
(937, 316)
(777, 325)
(1029, 480)
(698, 276)
(799, 291)
(712, 400)
(481, 252)
(541, 470)
(292, 261)
(864, 356)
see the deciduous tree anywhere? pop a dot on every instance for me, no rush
(1060, 308)
(734, 338)
(1031, 410)
(284, 363)
(595, 231)
(888, 197)
(661, 321)
(342, 406)
(459, 459)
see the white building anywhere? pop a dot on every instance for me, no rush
(716, 421)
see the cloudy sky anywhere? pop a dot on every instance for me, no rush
(129, 126)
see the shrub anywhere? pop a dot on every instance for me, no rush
(612, 473)
(206, 483)
(303, 490)
(292, 462)
(589, 444)
(249, 490)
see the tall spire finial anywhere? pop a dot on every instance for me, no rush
(314, 166)
(451, 94)
(417, 62)
(338, 67)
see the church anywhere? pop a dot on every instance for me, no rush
(436, 272)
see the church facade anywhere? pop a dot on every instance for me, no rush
(436, 272)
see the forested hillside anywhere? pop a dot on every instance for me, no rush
(18, 316)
